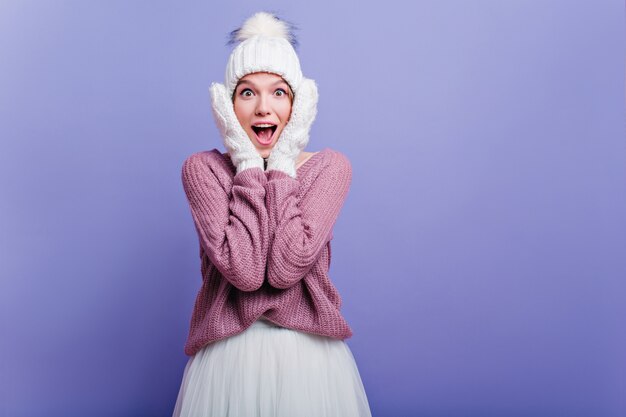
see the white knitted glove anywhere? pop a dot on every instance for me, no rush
(241, 149)
(295, 136)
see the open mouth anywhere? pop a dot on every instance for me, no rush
(264, 132)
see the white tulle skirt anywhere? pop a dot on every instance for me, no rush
(272, 371)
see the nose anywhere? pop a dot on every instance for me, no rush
(262, 106)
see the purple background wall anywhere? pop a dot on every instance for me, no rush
(480, 254)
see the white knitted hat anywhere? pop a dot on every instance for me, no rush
(265, 45)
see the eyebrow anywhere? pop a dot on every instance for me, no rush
(250, 83)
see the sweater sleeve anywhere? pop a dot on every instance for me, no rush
(232, 222)
(300, 228)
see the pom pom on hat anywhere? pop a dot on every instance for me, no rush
(266, 44)
(264, 24)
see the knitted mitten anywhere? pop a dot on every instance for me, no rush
(295, 136)
(240, 148)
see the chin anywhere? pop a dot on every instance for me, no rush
(265, 152)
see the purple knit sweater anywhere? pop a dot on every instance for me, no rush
(265, 245)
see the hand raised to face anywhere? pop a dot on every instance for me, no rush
(295, 136)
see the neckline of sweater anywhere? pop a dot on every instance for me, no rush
(310, 159)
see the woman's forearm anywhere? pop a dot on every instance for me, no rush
(299, 230)
(232, 224)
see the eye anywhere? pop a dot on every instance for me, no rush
(246, 92)
(280, 92)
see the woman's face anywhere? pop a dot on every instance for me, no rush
(262, 105)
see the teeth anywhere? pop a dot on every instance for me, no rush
(264, 125)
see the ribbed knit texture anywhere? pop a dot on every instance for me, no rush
(265, 245)
(263, 54)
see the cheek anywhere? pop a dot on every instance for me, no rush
(242, 110)
(285, 111)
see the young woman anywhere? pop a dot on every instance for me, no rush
(266, 335)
